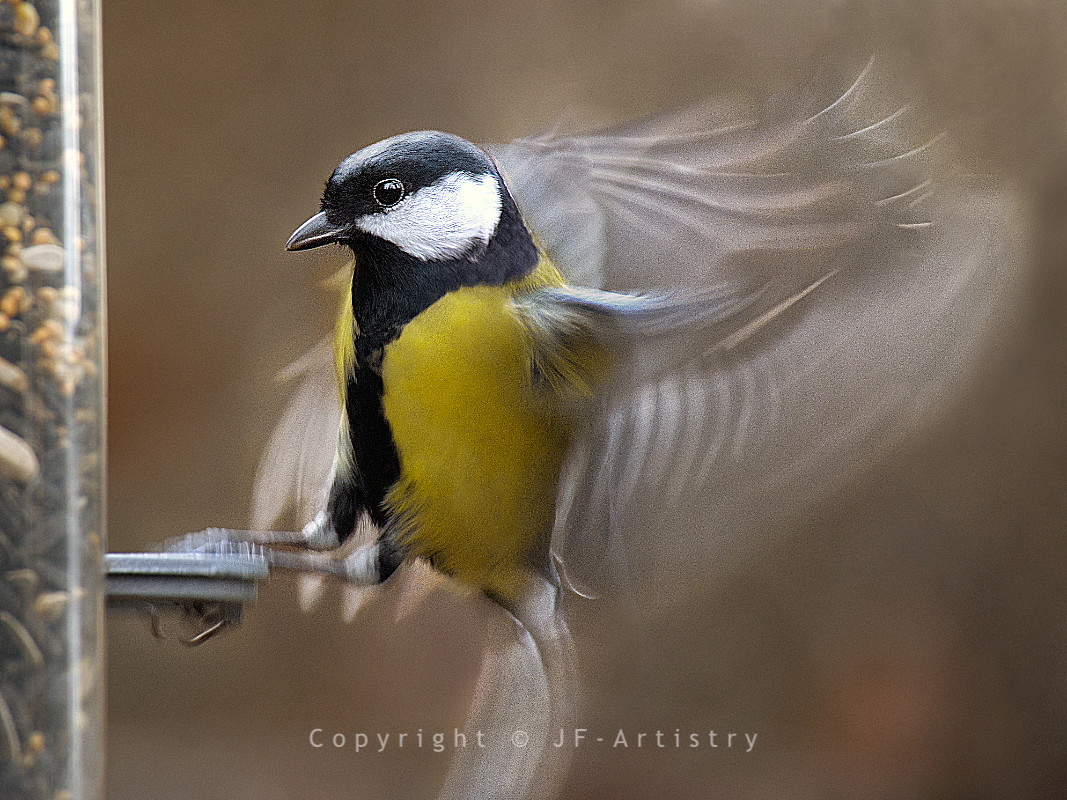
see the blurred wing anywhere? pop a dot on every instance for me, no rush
(690, 197)
(295, 468)
(861, 301)
(633, 412)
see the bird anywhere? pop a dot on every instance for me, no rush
(543, 348)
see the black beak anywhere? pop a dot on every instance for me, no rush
(316, 232)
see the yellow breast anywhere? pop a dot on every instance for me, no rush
(479, 453)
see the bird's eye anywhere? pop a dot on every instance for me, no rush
(388, 192)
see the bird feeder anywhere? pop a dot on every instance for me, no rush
(52, 388)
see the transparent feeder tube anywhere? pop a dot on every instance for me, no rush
(52, 384)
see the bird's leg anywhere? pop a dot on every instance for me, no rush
(316, 535)
(360, 567)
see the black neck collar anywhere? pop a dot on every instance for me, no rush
(390, 287)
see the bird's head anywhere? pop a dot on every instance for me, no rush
(426, 201)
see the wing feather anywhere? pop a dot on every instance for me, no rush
(848, 296)
(294, 471)
(694, 401)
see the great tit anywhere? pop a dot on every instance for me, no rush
(444, 441)
(505, 424)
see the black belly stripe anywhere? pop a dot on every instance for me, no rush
(373, 449)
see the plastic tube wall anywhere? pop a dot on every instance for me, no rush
(52, 401)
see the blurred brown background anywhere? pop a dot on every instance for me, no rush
(908, 640)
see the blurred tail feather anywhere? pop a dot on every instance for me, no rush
(525, 692)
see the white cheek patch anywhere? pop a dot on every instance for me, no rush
(442, 220)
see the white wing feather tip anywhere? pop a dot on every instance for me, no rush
(873, 126)
(906, 155)
(751, 329)
(309, 590)
(353, 599)
(919, 187)
(849, 93)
